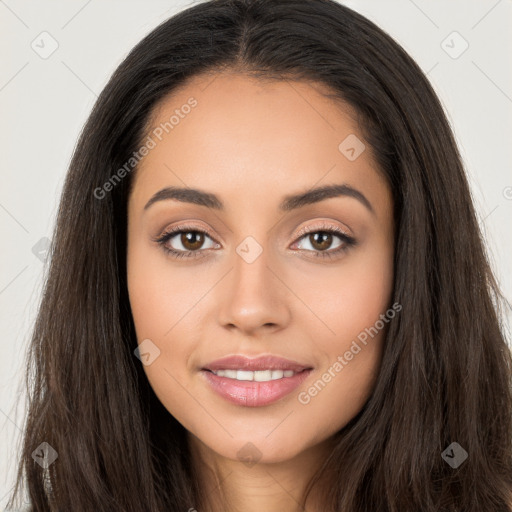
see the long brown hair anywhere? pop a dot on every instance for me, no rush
(446, 373)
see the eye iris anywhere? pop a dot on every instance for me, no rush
(325, 240)
(192, 240)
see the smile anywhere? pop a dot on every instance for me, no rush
(254, 382)
(258, 376)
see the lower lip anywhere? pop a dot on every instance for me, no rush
(254, 394)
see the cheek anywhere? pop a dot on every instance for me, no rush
(348, 298)
(352, 337)
(158, 295)
(341, 387)
(159, 302)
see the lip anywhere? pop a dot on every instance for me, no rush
(252, 393)
(267, 362)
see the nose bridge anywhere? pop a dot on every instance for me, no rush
(252, 275)
(253, 296)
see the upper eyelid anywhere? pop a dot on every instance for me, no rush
(324, 226)
(183, 229)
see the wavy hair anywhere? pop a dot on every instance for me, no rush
(446, 373)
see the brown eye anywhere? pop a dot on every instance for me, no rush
(192, 240)
(185, 241)
(321, 240)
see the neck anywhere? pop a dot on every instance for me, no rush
(239, 486)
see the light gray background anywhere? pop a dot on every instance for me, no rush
(44, 103)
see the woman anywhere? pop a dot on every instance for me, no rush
(268, 289)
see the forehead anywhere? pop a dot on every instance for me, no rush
(250, 139)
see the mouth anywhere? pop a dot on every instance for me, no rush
(254, 382)
(257, 376)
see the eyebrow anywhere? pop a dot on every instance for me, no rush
(290, 202)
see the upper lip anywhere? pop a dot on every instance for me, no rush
(268, 362)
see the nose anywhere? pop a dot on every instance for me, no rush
(252, 298)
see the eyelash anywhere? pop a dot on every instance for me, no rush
(347, 240)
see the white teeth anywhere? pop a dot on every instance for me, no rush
(262, 376)
(277, 374)
(258, 376)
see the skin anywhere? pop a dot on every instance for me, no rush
(252, 143)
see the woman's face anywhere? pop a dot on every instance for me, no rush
(253, 283)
